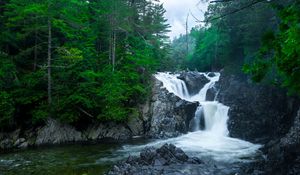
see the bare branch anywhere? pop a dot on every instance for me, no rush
(235, 11)
(85, 112)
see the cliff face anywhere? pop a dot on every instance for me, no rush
(257, 113)
(169, 115)
(264, 114)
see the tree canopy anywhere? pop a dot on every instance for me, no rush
(77, 60)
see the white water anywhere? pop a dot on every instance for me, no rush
(212, 142)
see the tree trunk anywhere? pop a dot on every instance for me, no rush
(35, 51)
(49, 61)
(187, 34)
(113, 51)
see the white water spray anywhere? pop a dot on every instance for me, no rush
(215, 114)
(212, 141)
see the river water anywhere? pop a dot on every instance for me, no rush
(209, 142)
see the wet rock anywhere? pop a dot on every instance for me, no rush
(57, 133)
(258, 113)
(170, 115)
(194, 81)
(211, 74)
(166, 160)
(211, 94)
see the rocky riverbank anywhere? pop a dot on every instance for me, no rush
(164, 115)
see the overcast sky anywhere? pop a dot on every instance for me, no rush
(177, 11)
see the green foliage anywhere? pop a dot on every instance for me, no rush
(85, 36)
(280, 51)
(6, 109)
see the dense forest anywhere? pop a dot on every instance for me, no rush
(78, 60)
(259, 37)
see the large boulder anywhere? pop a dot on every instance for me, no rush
(258, 113)
(165, 160)
(194, 81)
(55, 132)
(170, 115)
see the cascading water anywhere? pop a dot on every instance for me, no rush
(214, 113)
(210, 137)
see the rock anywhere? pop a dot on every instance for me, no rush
(6, 144)
(283, 155)
(170, 115)
(194, 81)
(15, 134)
(211, 74)
(23, 145)
(136, 125)
(108, 130)
(19, 142)
(211, 94)
(258, 113)
(166, 160)
(292, 138)
(57, 133)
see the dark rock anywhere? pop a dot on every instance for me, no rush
(194, 81)
(170, 115)
(211, 74)
(283, 155)
(148, 155)
(211, 94)
(258, 113)
(166, 160)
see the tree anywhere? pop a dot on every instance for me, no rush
(279, 56)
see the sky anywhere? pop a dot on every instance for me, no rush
(177, 11)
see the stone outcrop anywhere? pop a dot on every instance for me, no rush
(283, 154)
(55, 132)
(108, 130)
(194, 81)
(264, 114)
(258, 113)
(166, 160)
(170, 115)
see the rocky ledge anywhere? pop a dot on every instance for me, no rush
(55, 132)
(169, 115)
(166, 160)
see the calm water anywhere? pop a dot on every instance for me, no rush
(64, 160)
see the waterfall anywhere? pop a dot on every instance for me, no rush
(210, 134)
(215, 114)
